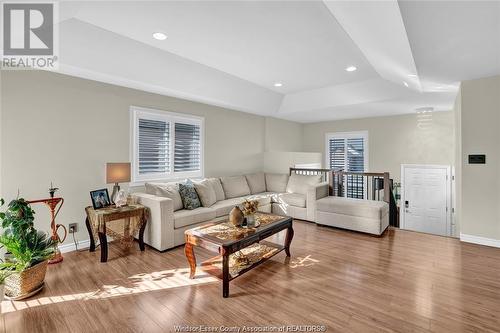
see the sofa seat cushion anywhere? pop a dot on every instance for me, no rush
(235, 186)
(185, 217)
(301, 183)
(354, 207)
(223, 207)
(263, 198)
(292, 199)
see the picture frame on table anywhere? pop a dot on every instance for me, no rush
(100, 198)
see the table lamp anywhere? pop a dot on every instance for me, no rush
(117, 173)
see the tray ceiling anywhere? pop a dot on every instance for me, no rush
(408, 54)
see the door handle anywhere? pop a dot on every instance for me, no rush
(407, 204)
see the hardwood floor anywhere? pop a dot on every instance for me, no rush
(350, 282)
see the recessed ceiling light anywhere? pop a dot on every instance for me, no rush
(405, 83)
(159, 36)
(351, 68)
(412, 75)
(278, 84)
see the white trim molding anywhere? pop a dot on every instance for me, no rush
(171, 119)
(70, 247)
(480, 240)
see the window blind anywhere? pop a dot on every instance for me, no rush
(154, 146)
(187, 156)
(348, 154)
(337, 154)
(355, 162)
(355, 155)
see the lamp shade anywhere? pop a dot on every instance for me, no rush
(117, 173)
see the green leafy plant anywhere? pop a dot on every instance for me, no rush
(20, 238)
(5, 271)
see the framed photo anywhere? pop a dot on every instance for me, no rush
(100, 198)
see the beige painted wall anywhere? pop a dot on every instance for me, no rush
(283, 135)
(280, 162)
(1, 119)
(64, 129)
(393, 140)
(480, 134)
(457, 113)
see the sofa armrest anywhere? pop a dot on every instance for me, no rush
(314, 193)
(159, 232)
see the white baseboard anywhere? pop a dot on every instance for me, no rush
(480, 240)
(71, 246)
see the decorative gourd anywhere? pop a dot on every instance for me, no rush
(236, 216)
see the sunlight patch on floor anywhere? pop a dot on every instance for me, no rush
(303, 262)
(139, 283)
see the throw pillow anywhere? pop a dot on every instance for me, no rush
(190, 199)
(256, 182)
(276, 182)
(217, 186)
(235, 186)
(206, 193)
(166, 190)
(300, 183)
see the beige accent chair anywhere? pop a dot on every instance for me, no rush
(293, 196)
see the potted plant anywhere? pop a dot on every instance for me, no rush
(5, 271)
(28, 249)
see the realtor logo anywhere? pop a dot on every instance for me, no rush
(28, 36)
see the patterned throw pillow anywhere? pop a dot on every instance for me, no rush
(190, 199)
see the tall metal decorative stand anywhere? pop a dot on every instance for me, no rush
(54, 205)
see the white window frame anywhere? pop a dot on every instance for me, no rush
(137, 112)
(347, 135)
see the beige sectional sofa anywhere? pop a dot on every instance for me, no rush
(294, 196)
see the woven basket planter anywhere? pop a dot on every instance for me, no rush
(20, 284)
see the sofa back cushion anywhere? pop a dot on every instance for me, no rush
(276, 182)
(217, 187)
(235, 186)
(300, 183)
(166, 190)
(205, 192)
(190, 199)
(256, 182)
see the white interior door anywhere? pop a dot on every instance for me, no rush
(425, 203)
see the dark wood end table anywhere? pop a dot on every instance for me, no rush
(232, 243)
(134, 217)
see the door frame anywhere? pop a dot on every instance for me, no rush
(448, 193)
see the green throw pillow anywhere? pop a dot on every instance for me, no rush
(190, 199)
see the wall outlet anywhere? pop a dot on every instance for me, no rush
(73, 227)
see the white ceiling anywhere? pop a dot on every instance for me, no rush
(296, 43)
(231, 53)
(454, 40)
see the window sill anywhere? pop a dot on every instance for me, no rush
(176, 179)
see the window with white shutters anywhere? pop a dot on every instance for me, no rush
(154, 146)
(187, 147)
(165, 145)
(349, 152)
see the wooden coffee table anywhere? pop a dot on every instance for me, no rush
(239, 249)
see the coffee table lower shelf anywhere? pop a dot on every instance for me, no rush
(230, 243)
(213, 266)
